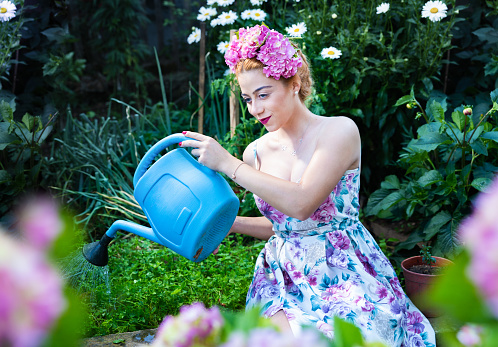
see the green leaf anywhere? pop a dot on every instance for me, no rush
(391, 182)
(404, 100)
(429, 142)
(391, 200)
(436, 223)
(436, 110)
(479, 147)
(374, 205)
(475, 134)
(118, 341)
(459, 119)
(494, 96)
(6, 111)
(481, 183)
(430, 177)
(346, 334)
(4, 176)
(5, 138)
(411, 241)
(425, 129)
(490, 135)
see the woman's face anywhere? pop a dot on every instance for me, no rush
(267, 99)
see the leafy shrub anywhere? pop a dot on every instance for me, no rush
(449, 160)
(21, 152)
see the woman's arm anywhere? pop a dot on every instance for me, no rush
(337, 150)
(258, 227)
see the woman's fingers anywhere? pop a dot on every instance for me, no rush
(194, 135)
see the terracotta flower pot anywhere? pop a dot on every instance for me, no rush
(416, 284)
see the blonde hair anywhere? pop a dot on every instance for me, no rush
(304, 73)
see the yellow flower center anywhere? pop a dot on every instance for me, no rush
(257, 14)
(331, 53)
(434, 10)
(3, 10)
(227, 17)
(296, 30)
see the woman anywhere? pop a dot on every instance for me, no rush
(319, 261)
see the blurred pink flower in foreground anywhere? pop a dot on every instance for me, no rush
(31, 291)
(479, 233)
(39, 221)
(194, 326)
(469, 335)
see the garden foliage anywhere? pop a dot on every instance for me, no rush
(450, 159)
(76, 54)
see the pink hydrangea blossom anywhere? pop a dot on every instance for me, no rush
(279, 57)
(470, 335)
(39, 221)
(194, 325)
(479, 234)
(31, 294)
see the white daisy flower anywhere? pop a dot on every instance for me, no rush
(434, 10)
(383, 8)
(259, 15)
(195, 36)
(7, 11)
(227, 18)
(206, 13)
(257, 2)
(223, 46)
(247, 14)
(216, 22)
(331, 53)
(225, 2)
(334, 16)
(296, 30)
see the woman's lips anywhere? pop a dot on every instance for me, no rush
(265, 120)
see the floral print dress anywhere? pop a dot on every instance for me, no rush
(329, 265)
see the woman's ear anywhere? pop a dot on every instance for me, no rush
(296, 83)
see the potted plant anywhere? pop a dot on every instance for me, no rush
(420, 272)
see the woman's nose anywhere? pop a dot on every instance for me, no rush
(257, 108)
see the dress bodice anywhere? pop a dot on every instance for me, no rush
(340, 209)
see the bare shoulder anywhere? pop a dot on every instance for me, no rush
(255, 147)
(339, 128)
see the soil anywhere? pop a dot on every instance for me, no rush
(425, 269)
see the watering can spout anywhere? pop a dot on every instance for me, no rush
(133, 228)
(96, 252)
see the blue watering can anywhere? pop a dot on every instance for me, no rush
(190, 207)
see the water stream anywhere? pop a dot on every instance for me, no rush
(82, 275)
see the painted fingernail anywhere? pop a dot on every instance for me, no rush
(180, 144)
(184, 132)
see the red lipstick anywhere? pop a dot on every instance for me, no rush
(265, 120)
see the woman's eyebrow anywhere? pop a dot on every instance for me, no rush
(257, 90)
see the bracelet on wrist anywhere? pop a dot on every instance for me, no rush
(234, 171)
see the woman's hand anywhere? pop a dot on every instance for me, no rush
(208, 151)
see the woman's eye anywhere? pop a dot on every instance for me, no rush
(263, 96)
(247, 100)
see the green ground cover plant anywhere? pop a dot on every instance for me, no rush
(149, 281)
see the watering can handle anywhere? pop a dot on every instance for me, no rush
(154, 151)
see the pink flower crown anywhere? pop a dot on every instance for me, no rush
(269, 47)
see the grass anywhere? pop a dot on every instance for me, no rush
(149, 281)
